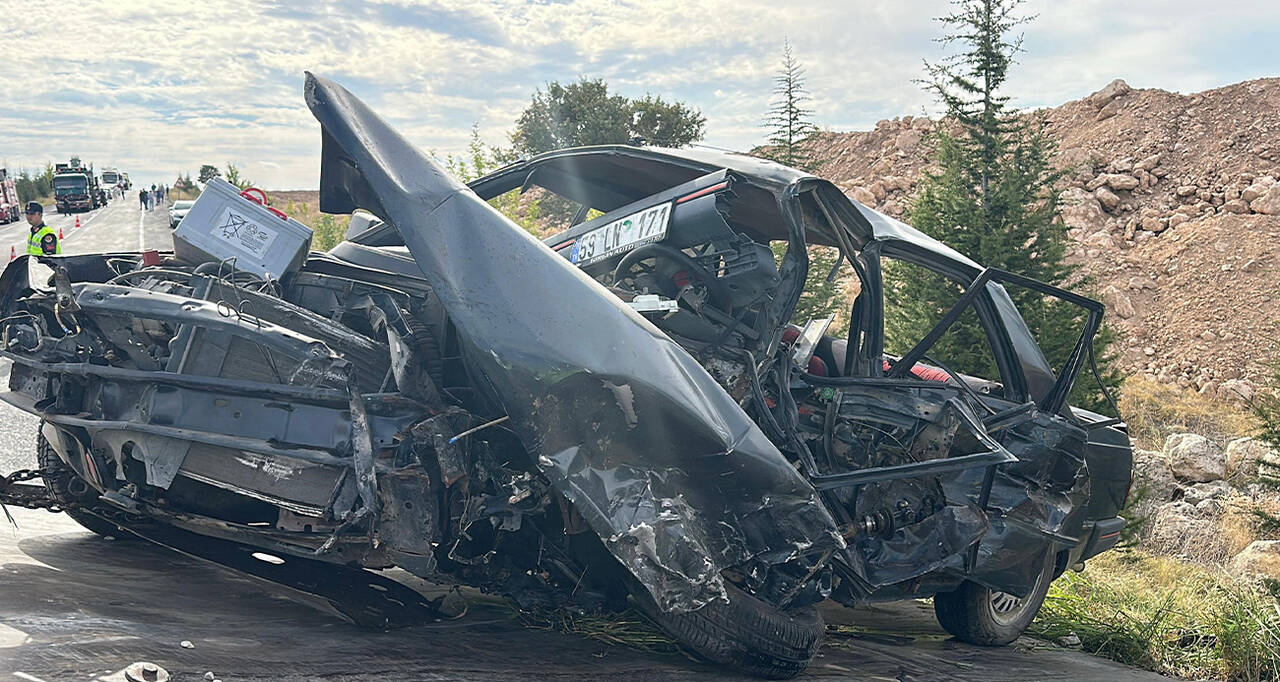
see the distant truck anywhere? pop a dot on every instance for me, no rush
(112, 178)
(9, 204)
(76, 188)
(125, 178)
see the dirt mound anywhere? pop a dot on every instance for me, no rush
(1174, 206)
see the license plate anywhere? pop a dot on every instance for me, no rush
(621, 235)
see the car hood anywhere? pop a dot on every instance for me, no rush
(671, 473)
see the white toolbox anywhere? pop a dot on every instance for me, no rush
(224, 226)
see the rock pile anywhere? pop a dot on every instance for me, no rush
(1173, 202)
(1183, 493)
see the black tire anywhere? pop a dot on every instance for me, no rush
(979, 615)
(746, 633)
(66, 487)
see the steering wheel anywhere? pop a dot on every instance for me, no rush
(717, 294)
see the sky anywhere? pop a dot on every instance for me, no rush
(159, 88)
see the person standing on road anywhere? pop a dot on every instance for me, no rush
(43, 240)
(142, 198)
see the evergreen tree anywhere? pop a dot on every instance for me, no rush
(788, 119)
(993, 197)
(789, 126)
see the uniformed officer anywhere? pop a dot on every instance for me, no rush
(43, 240)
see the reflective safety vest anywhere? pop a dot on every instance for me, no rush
(35, 241)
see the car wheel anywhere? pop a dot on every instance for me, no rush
(66, 487)
(980, 615)
(745, 633)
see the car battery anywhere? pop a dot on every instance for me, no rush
(226, 225)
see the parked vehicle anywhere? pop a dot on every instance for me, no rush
(10, 207)
(178, 211)
(75, 187)
(621, 413)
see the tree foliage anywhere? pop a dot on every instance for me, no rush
(788, 120)
(992, 197)
(585, 113)
(207, 173)
(479, 160)
(34, 186)
(234, 177)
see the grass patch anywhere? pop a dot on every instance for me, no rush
(1154, 411)
(1168, 616)
(630, 628)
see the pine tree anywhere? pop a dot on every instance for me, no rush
(789, 116)
(789, 123)
(992, 197)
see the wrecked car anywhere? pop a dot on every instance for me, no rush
(620, 415)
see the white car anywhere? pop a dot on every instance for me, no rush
(178, 211)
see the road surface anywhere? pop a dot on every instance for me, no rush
(118, 226)
(74, 606)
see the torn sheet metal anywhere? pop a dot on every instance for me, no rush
(553, 347)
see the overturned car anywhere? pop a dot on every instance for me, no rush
(622, 414)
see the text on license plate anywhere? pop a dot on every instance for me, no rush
(623, 234)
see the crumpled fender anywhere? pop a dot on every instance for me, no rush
(661, 462)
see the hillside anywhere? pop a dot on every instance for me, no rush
(1174, 209)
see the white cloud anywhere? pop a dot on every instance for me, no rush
(158, 88)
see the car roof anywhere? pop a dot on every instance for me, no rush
(607, 177)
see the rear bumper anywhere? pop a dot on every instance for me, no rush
(1104, 536)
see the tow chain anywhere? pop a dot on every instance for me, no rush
(28, 496)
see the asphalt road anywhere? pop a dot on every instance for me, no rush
(118, 226)
(74, 606)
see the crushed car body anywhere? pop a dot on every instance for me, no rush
(623, 411)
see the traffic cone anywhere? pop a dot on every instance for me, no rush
(77, 222)
(59, 233)
(13, 253)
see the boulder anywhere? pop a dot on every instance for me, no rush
(877, 189)
(1119, 181)
(1236, 390)
(862, 195)
(1235, 206)
(1117, 301)
(1177, 219)
(907, 139)
(1177, 528)
(1257, 189)
(1269, 203)
(1245, 454)
(1081, 210)
(1148, 163)
(1193, 457)
(1153, 481)
(1114, 89)
(1202, 492)
(1260, 559)
(1106, 197)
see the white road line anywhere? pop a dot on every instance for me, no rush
(142, 215)
(24, 676)
(91, 218)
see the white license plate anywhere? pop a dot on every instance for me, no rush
(623, 234)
